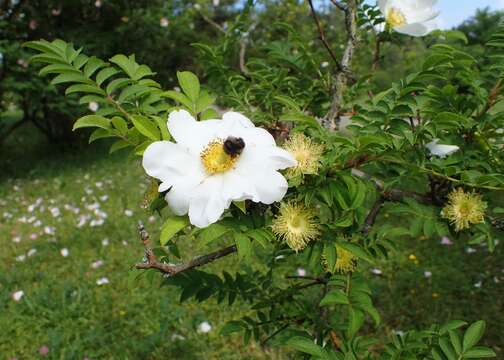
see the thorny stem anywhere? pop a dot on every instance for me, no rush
(171, 269)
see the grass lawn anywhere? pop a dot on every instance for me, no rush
(89, 203)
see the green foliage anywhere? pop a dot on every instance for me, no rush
(384, 161)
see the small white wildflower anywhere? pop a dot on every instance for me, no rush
(478, 284)
(204, 327)
(99, 184)
(64, 252)
(104, 198)
(301, 272)
(7, 215)
(470, 250)
(152, 219)
(177, 337)
(31, 252)
(445, 240)
(49, 230)
(102, 281)
(128, 212)
(33, 236)
(98, 3)
(55, 212)
(124, 242)
(427, 274)
(324, 64)
(164, 22)
(37, 223)
(16, 239)
(96, 222)
(16, 296)
(97, 264)
(376, 271)
(21, 258)
(105, 242)
(93, 206)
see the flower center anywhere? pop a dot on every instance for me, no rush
(217, 157)
(396, 18)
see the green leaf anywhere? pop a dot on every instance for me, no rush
(92, 121)
(355, 321)
(104, 74)
(189, 84)
(479, 352)
(179, 97)
(456, 341)
(447, 349)
(162, 125)
(211, 233)
(451, 325)
(356, 250)
(120, 124)
(473, 334)
(146, 127)
(204, 101)
(117, 84)
(118, 145)
(100, 134)
(171, 227)
(231, 327)
(125, 63)
(92, 65)
(335, 297)
(70, 76)
(243, 245)
(240, 205)
(84, 88)
(305, 345)
(209, 114)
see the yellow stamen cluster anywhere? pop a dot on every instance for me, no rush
(345, 261)
(296, 225)
(215, 159)
(395, 17)
(464, 209)
(306, 152)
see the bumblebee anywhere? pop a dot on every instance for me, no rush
(233, 146)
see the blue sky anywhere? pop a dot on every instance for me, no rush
(453, 12)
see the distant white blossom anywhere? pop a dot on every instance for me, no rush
(31, 252)
(105, 242)
(16, 296)
(64, 252)
(97, 264)
(204, 327)
(128, 212)
(440, 149)
(301, 272)
(102, 281)
(410, 17)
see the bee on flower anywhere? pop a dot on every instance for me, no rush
(215, 162)
(296, 225)
(410, 17)
(464, 208)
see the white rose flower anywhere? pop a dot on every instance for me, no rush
(410, 17)
(215, 162)
(440, 149)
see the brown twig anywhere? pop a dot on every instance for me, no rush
(345, 73)
(339, 5)
(151, 261)
(372, 215)
(323, 38)
(211, 22)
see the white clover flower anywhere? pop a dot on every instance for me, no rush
(97, 264)
(410, 17)
(215, 162)
(440, 149)
(204, 327)
(16, 296)
(102, 281)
